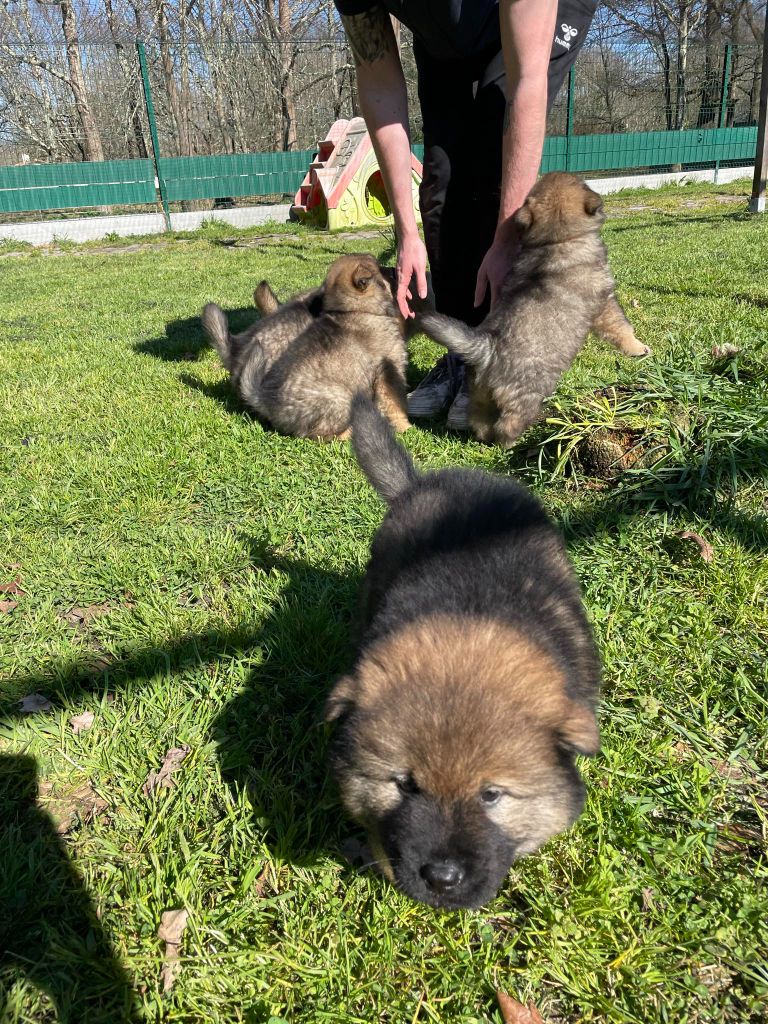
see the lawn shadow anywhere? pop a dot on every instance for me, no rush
(184, 340)
(662, 218)
(759, 301)
(223, 392)
(271, 745)
(50, 930)
(271, 737)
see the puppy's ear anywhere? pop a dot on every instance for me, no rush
(341, 699)
(592, 203)
(390, 276)
(578, 731)
(315, 304)
(362, 276)
(523, 219)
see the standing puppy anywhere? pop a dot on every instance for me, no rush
(560, 287)
(476, 680)
(300, 366)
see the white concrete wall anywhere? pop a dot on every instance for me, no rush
(87, 229)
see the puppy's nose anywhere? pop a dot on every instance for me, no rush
(442, 875)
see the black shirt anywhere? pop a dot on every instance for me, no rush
(447, 29)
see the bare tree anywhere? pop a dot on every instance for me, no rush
(92, 146)
(667, 26)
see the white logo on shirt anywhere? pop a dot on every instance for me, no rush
(569, 33)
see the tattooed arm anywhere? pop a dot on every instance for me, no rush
(527, 30)
(384, 102)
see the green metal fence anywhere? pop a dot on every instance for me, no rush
(610, 98)
(246, 174)
(67, 186)
(128, 182)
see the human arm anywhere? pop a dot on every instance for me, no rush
(527, 28)
(384, 103)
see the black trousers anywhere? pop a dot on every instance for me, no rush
(462, 106)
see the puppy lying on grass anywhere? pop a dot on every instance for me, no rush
(475, 683)
(560, 287)
(300, 365)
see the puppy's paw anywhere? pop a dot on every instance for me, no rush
(635, 349)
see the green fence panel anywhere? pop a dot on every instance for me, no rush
(62, 186)
(240, 174)
(553, 157)
(130, 182)
(589, 153)
(636, 150)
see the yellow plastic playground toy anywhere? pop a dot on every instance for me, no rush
(343, 187)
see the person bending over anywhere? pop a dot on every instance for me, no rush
(488, 72)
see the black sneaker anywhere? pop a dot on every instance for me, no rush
(438, 389)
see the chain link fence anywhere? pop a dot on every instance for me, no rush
(209, 99)
(617, 90)
(256, 96)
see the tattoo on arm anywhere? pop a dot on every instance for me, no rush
(370, 35)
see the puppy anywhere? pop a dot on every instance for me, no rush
(299, 367)
(560, 287)
(475, 684)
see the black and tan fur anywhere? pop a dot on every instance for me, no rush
(475, 683)
(560, 287)
(300, 365)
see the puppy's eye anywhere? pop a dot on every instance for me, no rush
(406, 784)
(490, 796)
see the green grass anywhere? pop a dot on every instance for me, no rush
(224, 561)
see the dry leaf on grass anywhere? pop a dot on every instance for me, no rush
(67, 806)
(80, 618)
(514, 1012)
(33, 703)
(7, 606)
(101, 662)
(649, 903)
(261, 882)
(172, 925)
(705, 548)
(14, 587)
(81, 722)
(161, 779)
(725, 351)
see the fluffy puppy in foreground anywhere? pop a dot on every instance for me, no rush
(475, 683)
(560, 287)
(299, 366)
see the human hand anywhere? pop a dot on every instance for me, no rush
(493, 270)
(411, 261)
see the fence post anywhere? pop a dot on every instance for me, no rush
(724, 84)
(760, 181)
(153, 131)
(569, 116)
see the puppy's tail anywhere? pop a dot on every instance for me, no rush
(472, 344)
(386, 463)
(215, 326)
(266, 300)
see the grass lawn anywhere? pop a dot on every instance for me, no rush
(190, 579)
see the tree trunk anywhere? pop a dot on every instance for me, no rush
(710, 90)
(135, 141)
(667, 87)
(92, 147)
(682, 62)
(287, 58)
(166, 60)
